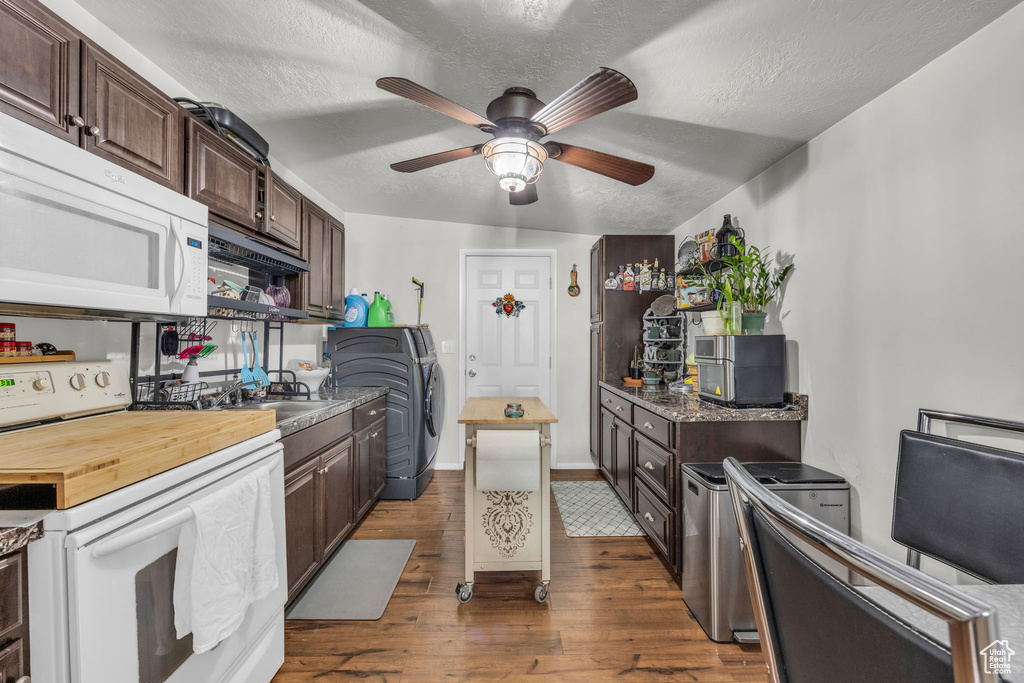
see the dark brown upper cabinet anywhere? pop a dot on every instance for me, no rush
(336, 298)
(316, 228)
(283, 212)
(223, 177)
(128, 121)
(39, 68)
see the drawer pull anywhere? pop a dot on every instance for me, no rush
(607, 400)
(648, 425)
(374, 435)
(648, 465)
(618, 408)
(648, 517)
(373, 412)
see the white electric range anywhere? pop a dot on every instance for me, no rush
(101, 578)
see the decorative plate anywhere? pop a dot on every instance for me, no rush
(688, 254)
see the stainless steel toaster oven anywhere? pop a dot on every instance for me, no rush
(742, 370)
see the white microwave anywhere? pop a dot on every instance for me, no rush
(81, 237)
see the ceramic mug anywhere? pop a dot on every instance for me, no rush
(653, 332)
(674, 355)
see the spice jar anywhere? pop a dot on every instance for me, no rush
(8, 349)
(24, 348)
(7, 332)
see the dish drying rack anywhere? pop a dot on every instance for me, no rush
(159, 390)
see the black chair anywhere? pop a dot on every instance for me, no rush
(961, 503)
(816, 628)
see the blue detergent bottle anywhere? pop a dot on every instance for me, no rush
(355, 309)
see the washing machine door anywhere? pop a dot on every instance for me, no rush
(434, 403)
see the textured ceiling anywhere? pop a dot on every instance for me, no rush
(727, 87)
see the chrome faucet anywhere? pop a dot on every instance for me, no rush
(236, 389)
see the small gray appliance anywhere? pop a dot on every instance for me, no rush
(714, 578)
(404, 360)
(742, 370)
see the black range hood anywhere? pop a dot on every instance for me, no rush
(227, 246)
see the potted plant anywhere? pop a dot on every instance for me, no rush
(636, 368)
(754, 282)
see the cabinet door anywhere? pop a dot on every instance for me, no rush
(607, 453)
(378, 458)
(302, 524)
(364, 473)
(222, 177)
(336, 281)
(336, 489)
(623, 467)
(317, 249)
(39, 68)
(129, 122)
(596, 281)
(596, 334)
(284, 212)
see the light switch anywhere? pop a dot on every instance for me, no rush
(448, 346)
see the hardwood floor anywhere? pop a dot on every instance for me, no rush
(614, 613)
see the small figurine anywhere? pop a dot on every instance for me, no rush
(628, 281)
(645, 277)
(662, 281)
(611, 282)
(620, 278)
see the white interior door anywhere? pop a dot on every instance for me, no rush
(508, 356)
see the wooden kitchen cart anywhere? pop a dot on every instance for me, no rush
(507, 530)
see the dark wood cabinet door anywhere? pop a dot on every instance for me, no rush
(378, 458)
(623, 466)
(336, 492)
(13, 662)
(39, 68)
(283, 212)
(336, 281)
(596, 281)
(222, 177)
(607, 449)
(363, 477)
(302, 514)
(316, 230)
(596, 332)
(128, 121)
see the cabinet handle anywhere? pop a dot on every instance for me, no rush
(647, 516)
(373, 412)
(618, 409)
(648, 465)
(77, 121)
(273, 217)
(648, 425)
(374, 435)
(607, 400)
(258, 215)
(93, 131)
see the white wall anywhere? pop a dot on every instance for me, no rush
(905, 223)
(384, 253)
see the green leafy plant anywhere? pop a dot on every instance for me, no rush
(752, 277)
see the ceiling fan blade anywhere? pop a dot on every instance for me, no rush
(420, 163)
(528, 195)
(624, 170)
(600, 91)
(403, 87)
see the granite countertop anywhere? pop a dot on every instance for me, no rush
(689, 408)
(333, 401)
(18, 528)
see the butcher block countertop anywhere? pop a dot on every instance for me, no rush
(85, 459)
(491, 411)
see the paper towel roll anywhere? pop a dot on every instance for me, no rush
(507, 460)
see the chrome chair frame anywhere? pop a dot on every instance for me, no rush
(924, 424)
(971, 621)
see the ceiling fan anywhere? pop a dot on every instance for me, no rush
(518, 120)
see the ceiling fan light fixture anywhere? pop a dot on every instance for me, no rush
(517, 162)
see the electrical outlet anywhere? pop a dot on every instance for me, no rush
(447, 346)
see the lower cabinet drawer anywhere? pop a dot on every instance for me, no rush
(368, 413)
(655, 464)
(653, 426)
(619, 407)
(12, 662)
(656, 518)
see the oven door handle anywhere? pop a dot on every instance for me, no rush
(118, 543)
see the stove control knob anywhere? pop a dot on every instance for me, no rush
(78, 382)
(103, 379)
(41, 384)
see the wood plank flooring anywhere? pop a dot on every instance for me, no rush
(614, 613)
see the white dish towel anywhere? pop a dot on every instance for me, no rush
(226, 560)
(507, 460)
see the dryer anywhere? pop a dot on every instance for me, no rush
(404, 360)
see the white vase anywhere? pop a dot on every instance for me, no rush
(713, 323)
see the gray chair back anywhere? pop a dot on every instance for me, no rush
(815, 627)
(960, 502)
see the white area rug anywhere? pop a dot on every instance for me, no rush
(591, 508)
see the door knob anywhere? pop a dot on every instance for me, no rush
(471, 373)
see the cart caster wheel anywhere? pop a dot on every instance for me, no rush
(540, 594)
(464, 591)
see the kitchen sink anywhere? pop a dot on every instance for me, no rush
(285, 409)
